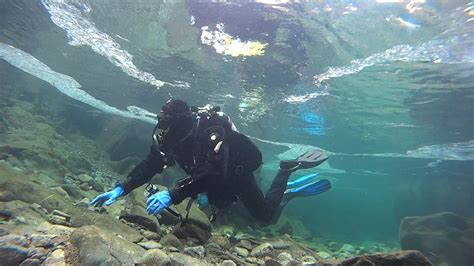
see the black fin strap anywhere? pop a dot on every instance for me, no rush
(175, 213)
(188, 208)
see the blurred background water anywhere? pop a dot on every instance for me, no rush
(385, 88)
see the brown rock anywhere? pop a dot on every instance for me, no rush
(271, 262)
(57, 258)
(222, 241)
(189, 230)
(171, 240)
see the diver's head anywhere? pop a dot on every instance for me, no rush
(174, 122)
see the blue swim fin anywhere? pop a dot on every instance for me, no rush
(301, 180)
(310, 189)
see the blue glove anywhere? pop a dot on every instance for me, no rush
(157, 202)
(108, 197)
(202, 200)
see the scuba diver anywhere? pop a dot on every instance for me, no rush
(219, 162)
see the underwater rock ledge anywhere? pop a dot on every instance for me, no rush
(446, 237)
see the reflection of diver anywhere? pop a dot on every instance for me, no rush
(219, 162)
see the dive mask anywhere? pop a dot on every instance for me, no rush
(162, 128)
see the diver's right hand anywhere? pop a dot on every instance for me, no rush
(108, 197)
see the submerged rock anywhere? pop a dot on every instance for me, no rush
(72, 191)
(245, 244)
(228, 263)
(38, 253)
(179, 259)
(31, 262)
(54, 229)
(3, 232)
(197, 251)
(57, 258)
(333, 246)
(144, 222)
(56, 219)
(43, 240)
(171, 240)
(85, 186)
(262, 250)
(324, 255)
(150, 245)
(406, 258)
(290, 263)
(59, 217)
(242, 252)
(252, 260)
(151, 235)
(97, 186)
(271, 262)
(190, 230)
(12, 255)
(84, 178)
(281, 244)
(15, 240)
(284, 256)
(62, 214)
(86, 217)
(197, 224)
(155, 257)
(135, 212)
(61, 191)
(39, 209)
(444, 237)
(84, 203)
(347, 248)
(222, 241)
(308, 260)
(98, 246)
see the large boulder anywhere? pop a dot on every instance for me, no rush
(135, 211)
(405, 258)
(190, 230)
(12, 254)
(197, 224)
(101, 247)
(443, 237)
(196, 216)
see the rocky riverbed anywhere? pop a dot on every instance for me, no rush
(48, 175)
(43, 223)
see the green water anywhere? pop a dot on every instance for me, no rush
(391, 104)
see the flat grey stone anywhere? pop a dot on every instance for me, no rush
(150, 244)
(197, 251)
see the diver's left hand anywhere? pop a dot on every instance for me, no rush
(157, 202)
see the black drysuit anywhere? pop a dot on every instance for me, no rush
(222, 173)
